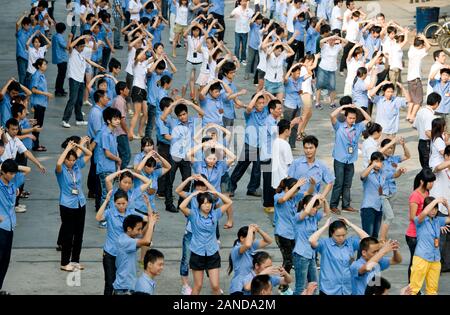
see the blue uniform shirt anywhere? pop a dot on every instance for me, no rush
(5, 113)
(284, 217)
(59, 52)
(156, 32)
(254, 36)
(218, 7)
(292, 88)
(22, 37)
(7, 203)
(318, 170)
(139, 203)
(359, 93)
(390, 164)
(95, 121)
(388, 112)
(347, 137)
(138, 158)
(335, 261)
(303, 230)
(108, 141)
(229, 110)
(427, 232)
(444, 91)
(372, 44)
(39, 82)
(245, 279)
(152, 87)
(311, 40)
(300, 26)
(253, 123)
(371, 185)
(214, 174)
(25, 124)
(204, 241)
(70, 182)
(114, 223)
(145, 284)
(213, 109)
(268, 137)
(125, 263)
(242, 264)
(162, 129)
(182, 137)
(360, 282)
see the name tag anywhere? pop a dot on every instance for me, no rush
(436, 242)
(74, 191)
(350, 150)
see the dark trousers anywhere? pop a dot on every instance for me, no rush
(93, 183)
(165, 180)
(106, 54)
(268, 191)
(371, 221)
(39, 114)
(22, 65)
(61, 76)
(299, 52)
(286, 247)
(251, 156)
(123, 146)
(185, 170)
(21, 159)
(347, 49)
(342, 184)
(412, 243)
(6, 239)
(151, 110)
(165, 9)
(76, 90)
(109, 267)
(424, 152)
(72, 229)
(221, 20)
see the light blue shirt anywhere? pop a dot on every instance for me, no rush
(228, 105)
(253, 123)
(300, 26)
(318, 170)
(347, 137)
(7, 203)
(303, 230)
(108, 141)
(335, 260)
(138, 158)
(39, 82)
(390, 164)
(114, 223)
(275, 281)
(242, 264)
(372, 44)
(22, 37)
(204, 241)
(182, 137)
(69, 182)
(267, 139)
(284, 217)
(254, 36)
(59, 52)
(95, 121)
(152, 86)
(311, 40)
(156, 32)
(213, 108)
(125, 263)
(359, 93)
(110, 90)
(444, 91)
(139, 202)
(292, 88)
(25, 124)
(360, 282)
(427, 232)
(214, 174)
(5, 109)
(371, 185)
(218, 7)
(145, 284)
(162, 129)
(388, 112)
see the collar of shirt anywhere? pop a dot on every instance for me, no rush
(333, 243)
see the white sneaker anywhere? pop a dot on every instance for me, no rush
(186, 290)
(20, 209)
(87, 103)
(81, 123)
(65, 124)
(77, 266)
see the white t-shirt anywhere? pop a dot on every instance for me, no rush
(134, 5)
(181, 15)
(369, 146)
(212, 69)
(353, 32)
(12, 148)
(396, 56)
(140, 74)
(434, 67)
(386, 45)
(415, 57)
(130, 63)
(76, 66)
(352, 67)
(205, 60)
(262, 59)
(441, 188)
(192, 45)
(274, 68)
(436, 157)
(292, 12)
(329, 56)
(347, 17)
(423, 121)
(306, 84)
(281, 159)
(33, 55)
(335, 22)
(243, 17)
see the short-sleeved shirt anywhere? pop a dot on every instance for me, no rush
(70, 185)
(7, 203)
(95, 121)
(162, 128)
(59, 52)
(292, 89)
(359, 93)
(281, 159)
(76, 67)
(13, 147)
(388, 112)
(317, 170)
(369, 146)
(213, 108)
(300, 27)
(39, 82)
(443, 89)
(415, 57)
(335, 261)
(274, 280)
(125, 263)
(22, 37)
(243, 17)
(114, 223)
(228, 105)
(214, 174)
(25, 124)
(120, 104)
(347, 137)
(255, 36)
(33, 55)
(371, 44)
(436, 157)
(253, 123)
(303, 231)
(427, 232)
(311, 38)
(204, 241)
(268, 137)
(152, 86)
(284, 217)
(218, 7)
(182, 137)
(145, 285)
(329, 57)
(274, 67)
(417, 198)
(424, 119)
(139, 202)
(242, 264)
(108, 142)
(5, 109)
(371, 190)
(390, 165)
(360, 282)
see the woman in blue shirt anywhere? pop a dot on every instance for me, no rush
(306, 223)
(204, 247)
(72, 203)
(285, 201)
(241, 259)
(360, 88)
(39, 98)
(336, 255)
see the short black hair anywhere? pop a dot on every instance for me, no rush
(98, 95)
(345, 100)
(375, 287)
(165, 79)
(14, 86)
(12, 122)
(445, 70)
(204, 196)
(75, 139)
(273, 104)
(26, 21)
(437, 53)
(110, 113)
(120, 194)
(120, 86)
(10, 166)
(114, 64)
(215, 86)
(311, 140)
(260, 283)
(161, 65)
(376, 156)
(17, 108)
(180, 108)
(151, 162)
(366, 242)
(165, 102)
(283, 125)
(131, 221)
(60, 27)
(336, 225)
(350, 110)
(433, 99)
(151, 256)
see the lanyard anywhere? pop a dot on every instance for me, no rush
(73, 176)
(446, 173)
(350, 135)
(433, 233)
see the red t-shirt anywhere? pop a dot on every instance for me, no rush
(417, 198)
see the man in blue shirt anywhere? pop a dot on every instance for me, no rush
(127, 245)
(442, 87)
(217, 9)
(254, 41)
(11, 90)
(371, 42)
(345, 153)
(22, 36)
(372, 262)
(60, 58)
(153, 267)
(298, 45)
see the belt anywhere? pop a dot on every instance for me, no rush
(194, 63)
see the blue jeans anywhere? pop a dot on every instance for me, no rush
(342, 184)
(371, 221)
(238, 39)
(102, 177)
(184, 264)
(305, 269)
(123, 146)
(22, 65)
(151, 110)
(76, 90)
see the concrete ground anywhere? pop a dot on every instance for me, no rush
(34, 267)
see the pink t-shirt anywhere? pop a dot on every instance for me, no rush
(417, 198)
(120, 103)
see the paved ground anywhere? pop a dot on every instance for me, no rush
(34, 267)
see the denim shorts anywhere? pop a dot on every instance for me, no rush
(326, 80)
(273, 88)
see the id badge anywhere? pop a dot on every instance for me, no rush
(380, 190)
(74, 191)
(350, 150)
(436, 242)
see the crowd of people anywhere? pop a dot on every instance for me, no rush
(292, 50)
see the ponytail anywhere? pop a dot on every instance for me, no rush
(371, 128)
(243, 232)
(287, 182)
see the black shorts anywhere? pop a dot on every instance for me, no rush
(198, 262)
(261, 74)
(138, 95)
